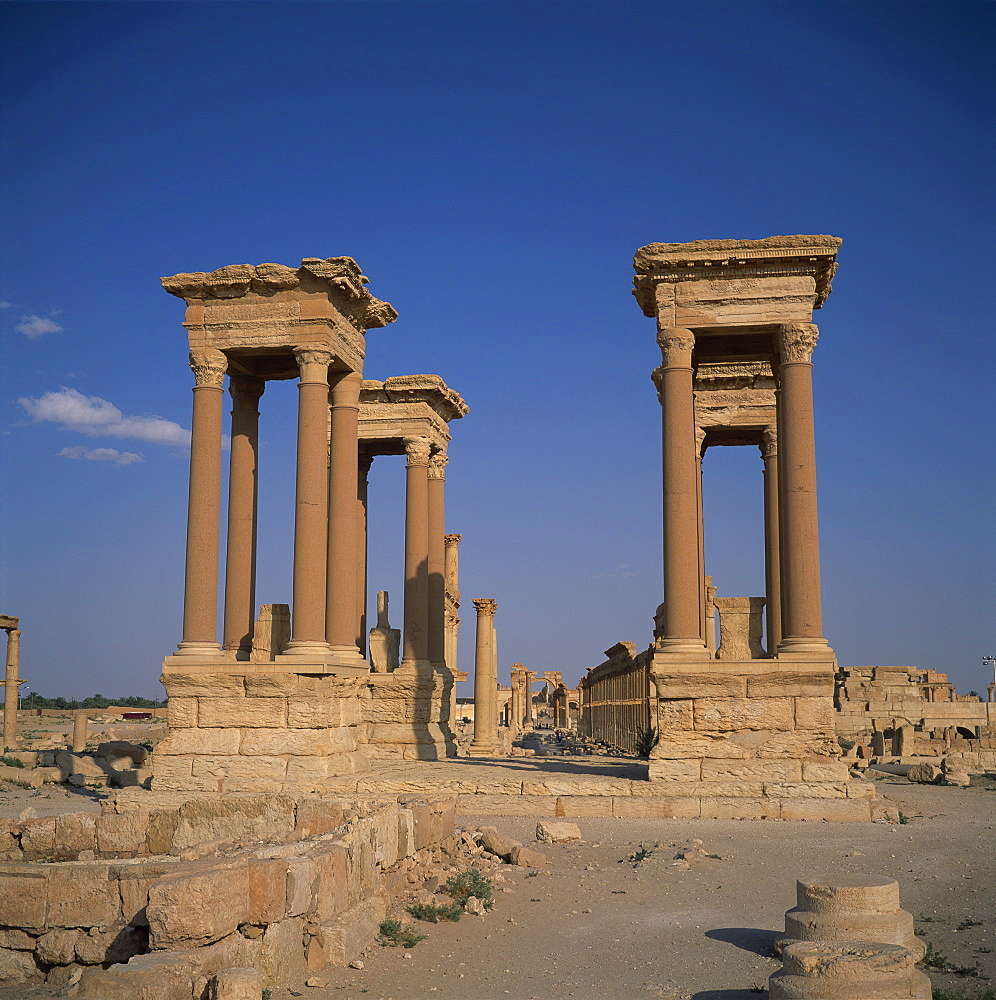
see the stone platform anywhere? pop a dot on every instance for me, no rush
(572, 786)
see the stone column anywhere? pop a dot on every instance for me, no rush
(12, 681)
(682, 577)
(699, 456)
(529, 678)
(311, 506)
(341, 581)
(518, 699)
(710, 616)
(485, 741)
(200, 592)
(452, 571)
(240, 566)
(362, 491)
(802, 620)
(80, 722)
(437, 559)
(772, 558)
(415, 635)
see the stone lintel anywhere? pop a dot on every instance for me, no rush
(428, 389)
(747, 260)
(8, 623)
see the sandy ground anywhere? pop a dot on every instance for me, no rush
(593, 925)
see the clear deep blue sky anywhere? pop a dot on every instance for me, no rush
(492, 167)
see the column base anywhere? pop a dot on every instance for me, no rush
(805, 648)
(307, 649)
(482, 750)
(348, 656)
(191, 648)
(688, 649)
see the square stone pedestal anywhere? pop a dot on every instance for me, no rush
(753, 738)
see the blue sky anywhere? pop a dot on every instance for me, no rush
(492, 167)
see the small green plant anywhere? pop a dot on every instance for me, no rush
(968, 922)
(267, 994)
(637, 856)
(463, 885)
(11, 761)
(394, 933)
(938, 961)
(433, 914)
(646, 740)
(904, 819)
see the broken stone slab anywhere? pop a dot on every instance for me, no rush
(557, 833)
(524, 857)
(236, 984)
(924, 774)
(495, 843)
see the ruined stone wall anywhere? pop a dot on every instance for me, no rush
(615, 698)
(174, 893)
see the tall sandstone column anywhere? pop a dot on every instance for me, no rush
(200, 592)
(452, 571)
(240, 565)
(437, 559)
(311, 506)
(365, 461)
(682, 576)
(343, 538)
(415, 636)
(485, 742)
(802, 620)
(12, 681)
(772, 558)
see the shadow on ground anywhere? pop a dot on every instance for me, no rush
(747, 939)
(729, 995)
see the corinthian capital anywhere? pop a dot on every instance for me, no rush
(417, 449)
(769, 442)
(306, 357)
(796, 341)
(676, 344)
(209, 367)
(245, 390)
(437, 465)
(485, 605)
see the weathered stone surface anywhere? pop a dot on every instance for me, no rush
(548, 832)
(181, 713)
(18, 940)
(122, 834)
(254, 713)
(837, 810)
(814, 713)
(158, 976)
(789, 683)
(200, 741)
(22, 902)
(18, 967)
(354, 932)
(197, 907)
(207, 685)
(234, 819)
(38, 836)
(316, 816)
(693, 686)
(735, 715)
(76, 832)
(302, 875)
(494, 843)
(748, 770)
(57, 946)
(236, 984)
(332, 891)
(116, 944)
(525, 857)
(84, 896)
(267, 891)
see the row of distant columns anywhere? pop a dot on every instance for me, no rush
(791, 530)
(327, 523)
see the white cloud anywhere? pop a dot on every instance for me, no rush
(4, 304)
(37, 326)
(101, 455)
(94, 416)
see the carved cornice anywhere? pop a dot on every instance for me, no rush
(341, 276)
(734, 375)
(437, 465)
(209, 367)
(485, 605)
(797, 341)
(429, 389)
(711, 259)
(417, 449)
(245, 390)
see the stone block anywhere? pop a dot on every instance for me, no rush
(646, 807)
(234, 819)
(296, 742)
(181, 713)
(832, 810)
(494, 843)
(18, 967)
(557, 833)
(814, 713)
(75, 832)
(694, 746)
(740, 807)
(267, 890)
(584, 805)
(669, 770)
(172, 773)
(134, 883)
(824, 770)
(301, 883)
(199, 741)
(703, 685)
(675, 715)
(790, 684)
(57, 946)
(757, 770)
(115, 944)
(724, 715)
(524, 857)
(307, 772)
(236, 984)
(270, 770)
(806, 789)
(271, 685)
(332, 888)
(38, 837)
(158, 976)
(122, 834)
(354, 932)
(197, 907)
(386, 833)
(506, 805)
(316, 816)
(281, 957)
(82, 896)
(15, 938)
(204, 685)
(249, 713)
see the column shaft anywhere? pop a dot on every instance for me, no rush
(11, 683)
(311, 506)
(437, 560)
(802, 624)
(200, 592)
(362, 493)
(341, 587)
(485, 681)
(240, 565)
(682, 579)
(452, 585)
(416, 638)
(772, 559)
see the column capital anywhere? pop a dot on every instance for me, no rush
(452, 540)
(769, 442)
(209, 367)
(313, 363)
(417, 449)
(437, 465)
(796, 342)
(485, 605)
(676, 344)
(245, 390)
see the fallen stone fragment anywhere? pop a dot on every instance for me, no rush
(924, 774)
(236, 984)
(475, 907)
(494, 843)
(526, 858)
(557, 833)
